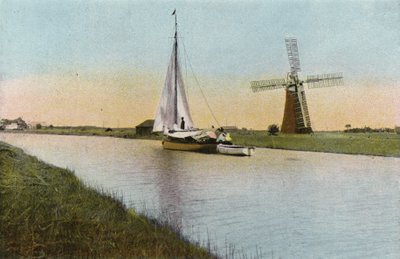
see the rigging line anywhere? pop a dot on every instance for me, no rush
(198, 84)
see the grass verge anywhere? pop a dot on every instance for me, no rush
(46, 211)
(377, 144)
(91, 131)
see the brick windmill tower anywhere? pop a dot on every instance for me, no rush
(296, 118)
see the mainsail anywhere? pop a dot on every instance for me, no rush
(173, 103)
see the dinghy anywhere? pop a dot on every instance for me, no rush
(235, 150)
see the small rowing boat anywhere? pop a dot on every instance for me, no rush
(235, 150)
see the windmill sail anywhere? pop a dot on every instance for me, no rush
(173, 103)
(325, 80)
(293, 55)
(271, 84)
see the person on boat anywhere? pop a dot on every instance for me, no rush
(219, 130)
(183, 123)
(223, 137)
(228, 138)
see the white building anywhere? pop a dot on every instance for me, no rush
(12, 126)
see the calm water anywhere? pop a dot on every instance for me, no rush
(288, 204)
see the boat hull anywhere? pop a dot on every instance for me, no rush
(194, 147)
(235, 150)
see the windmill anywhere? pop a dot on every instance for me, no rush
(296, 118)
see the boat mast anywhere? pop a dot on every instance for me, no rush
(176, 68)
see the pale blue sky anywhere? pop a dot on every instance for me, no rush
(223, 38)
(120, 50)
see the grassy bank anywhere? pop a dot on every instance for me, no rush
(46, 211)
(90, 131)
(379, 144)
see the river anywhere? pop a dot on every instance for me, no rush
(283, 204)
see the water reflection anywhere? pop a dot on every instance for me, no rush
(168, 183)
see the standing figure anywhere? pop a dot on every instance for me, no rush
(183, 123)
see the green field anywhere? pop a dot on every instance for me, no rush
(46, 211)
(379, 144)
(88, 131)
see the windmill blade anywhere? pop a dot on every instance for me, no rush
(272, 84)
(324, 80)
(293, 54)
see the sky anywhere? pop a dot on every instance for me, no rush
(103, 63)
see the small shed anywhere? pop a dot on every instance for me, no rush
(145, 128)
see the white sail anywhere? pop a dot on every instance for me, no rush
(173, 103)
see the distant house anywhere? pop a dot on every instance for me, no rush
(397, 129)
(11, 126)
(145, 128)
(17, 124)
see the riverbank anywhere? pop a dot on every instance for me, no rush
(375, 144)
(90, 131)
(46, 211)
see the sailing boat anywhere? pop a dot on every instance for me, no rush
(173, 116)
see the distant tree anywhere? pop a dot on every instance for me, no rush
(367, 129)
(273, 129)
(38, 126)
(51, 126)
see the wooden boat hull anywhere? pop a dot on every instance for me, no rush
(194, 147)
(235, 150)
